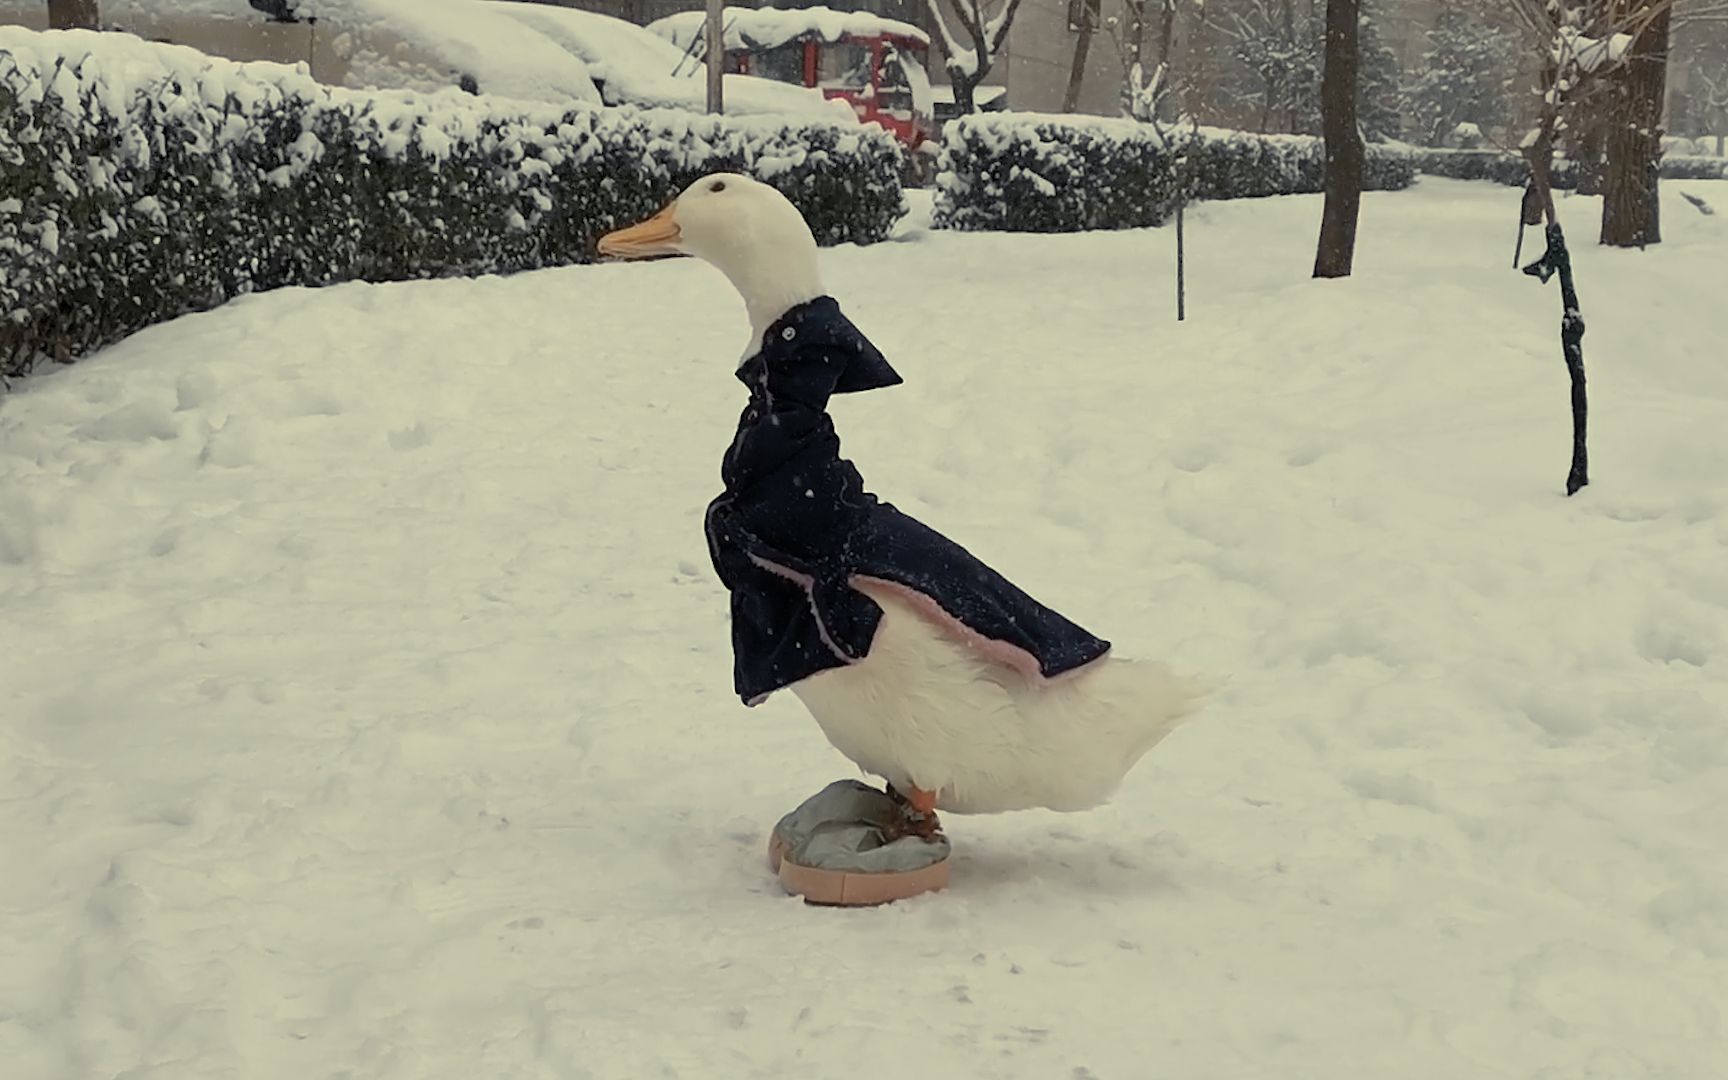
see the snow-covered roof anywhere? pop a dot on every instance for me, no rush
(766, 28)
(638, 68)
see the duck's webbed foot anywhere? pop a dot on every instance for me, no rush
(917, 813)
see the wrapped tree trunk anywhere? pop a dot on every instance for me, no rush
(1345, 154)
(1631, 207)
(1539, 202)
(73, 15)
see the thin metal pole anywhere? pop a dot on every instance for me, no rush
(715, 42)
(1181, 266)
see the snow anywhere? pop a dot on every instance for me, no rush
(918, 81)
(1594, 53)
(636, 67)
(365, 703)
(767, 28)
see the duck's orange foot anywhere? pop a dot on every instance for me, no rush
(918, 812)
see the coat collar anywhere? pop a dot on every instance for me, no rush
(813, 351)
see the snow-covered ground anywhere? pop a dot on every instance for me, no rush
(365, 705)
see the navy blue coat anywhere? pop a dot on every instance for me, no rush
(795, 525)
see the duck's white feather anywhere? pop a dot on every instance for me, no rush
(926, 709)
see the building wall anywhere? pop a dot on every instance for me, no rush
(1040, 56)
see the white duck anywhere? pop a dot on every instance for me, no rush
(948, 720)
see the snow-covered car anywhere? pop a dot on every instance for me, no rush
(421, 45)
(514, 50)
(634, 67)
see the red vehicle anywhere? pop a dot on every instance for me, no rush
(874, 64)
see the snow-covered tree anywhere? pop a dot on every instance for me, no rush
(985, 33)
(1377, 97)
(1710, 102)
(1274, 82)
(1464, 78)
(1701, 53)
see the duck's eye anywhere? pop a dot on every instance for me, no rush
(718, 185)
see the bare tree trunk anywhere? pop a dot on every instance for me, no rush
(1077, 70)
(1345, 154)
(73, 15)
(1631, 210)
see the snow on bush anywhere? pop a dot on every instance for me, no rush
(139, 182)
(1028, 173)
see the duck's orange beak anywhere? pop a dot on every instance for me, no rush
(657, 236)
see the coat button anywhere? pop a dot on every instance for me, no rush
(788, 333)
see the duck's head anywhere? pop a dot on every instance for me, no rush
(741, 227)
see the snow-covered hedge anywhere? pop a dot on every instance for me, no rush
(1495, 165)
(1503, 167)
(1068, 174)
(1243, 165)
(1030, 173)
(140, 182)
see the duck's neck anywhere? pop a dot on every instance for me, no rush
(772, 287)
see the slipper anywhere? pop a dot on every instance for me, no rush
(835, 850)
